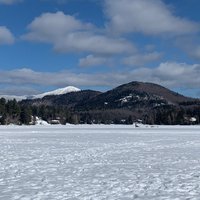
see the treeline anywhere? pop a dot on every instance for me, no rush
(173, 115)
(163, 115)
(10, 112)
(13, 112)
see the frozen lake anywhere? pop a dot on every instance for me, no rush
(99, 163)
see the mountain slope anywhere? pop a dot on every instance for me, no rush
(69, 100)
(136, 94)
(60, 91)
(148, 102)
(12, 97)
(128, 96)
(156, 90)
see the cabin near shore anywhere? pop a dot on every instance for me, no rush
(54, 121)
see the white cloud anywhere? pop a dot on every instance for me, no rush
(67, 34)
(179, 74)
(89, 42)
(169, 74)
(142, 59)
(18, 90)
(59, 79)
(52, 26)
(9, 2)
(6, 37)
(92, 60)
(146, 16)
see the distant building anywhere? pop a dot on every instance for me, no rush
(54, 121)
(191, 120)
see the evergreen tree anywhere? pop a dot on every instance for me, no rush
(3, 119)
(25, 115)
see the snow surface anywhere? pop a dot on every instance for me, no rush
(39, 121)
(99, 162)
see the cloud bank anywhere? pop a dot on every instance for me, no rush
(169, 74)
(68, 34)
(9, 2)
(151, 17)
(6, 37)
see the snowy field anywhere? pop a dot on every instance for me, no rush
(99, 163)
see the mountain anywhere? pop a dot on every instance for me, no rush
(127, 103)
(123, 95)
(129, 96)
(12, 97)
(136, 94)
(60, 91)
(135, 100)
(70, 100)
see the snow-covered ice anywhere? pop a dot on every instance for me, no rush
(99, 162)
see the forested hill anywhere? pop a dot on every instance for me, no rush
(136, 101)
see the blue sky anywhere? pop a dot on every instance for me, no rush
(98, 44)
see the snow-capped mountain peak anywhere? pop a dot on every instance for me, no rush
(57, 92)
(12, 97)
